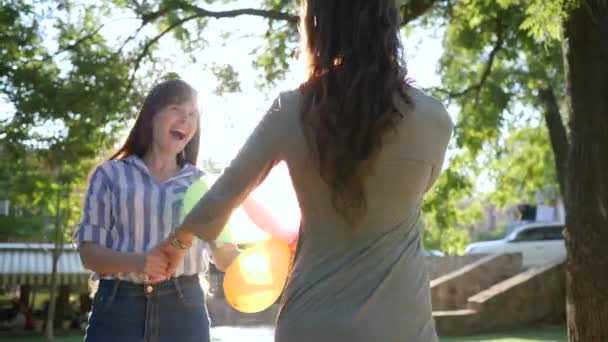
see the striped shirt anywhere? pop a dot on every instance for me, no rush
(127, 210)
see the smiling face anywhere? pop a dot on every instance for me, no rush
(174, 126)
(167, 123)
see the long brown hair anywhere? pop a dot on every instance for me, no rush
(355, 68)
(162, 95)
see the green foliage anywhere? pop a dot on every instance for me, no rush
(497, 56)
(228, 79)
(495, 234)
(522, 165)
(450, 207)
(450, 240)
(21, 229)
(70, 98)
(279, 51)
(544, 19)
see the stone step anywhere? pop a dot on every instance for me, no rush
(534, 296)
(451, 291)
(455, 322)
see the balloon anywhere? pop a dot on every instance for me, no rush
(194, 193)
(255, 280)
(239, 229)
(273, 206)
(293, 244)
(266, 221)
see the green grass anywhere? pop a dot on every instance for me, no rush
(545, 334)
(75, 338)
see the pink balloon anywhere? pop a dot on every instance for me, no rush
(274, 207)
(262, 217)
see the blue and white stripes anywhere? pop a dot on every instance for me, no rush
(126, 210)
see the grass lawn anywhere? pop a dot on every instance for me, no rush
(545, 334)
(75, 338)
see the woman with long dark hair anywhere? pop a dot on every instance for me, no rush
(133, 202)
(362, 147)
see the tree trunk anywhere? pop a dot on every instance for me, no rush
(58, 237)
(25, 292)
(557, 135)
(586, 63)
(50, 318)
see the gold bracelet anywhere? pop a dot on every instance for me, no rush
(175, 242)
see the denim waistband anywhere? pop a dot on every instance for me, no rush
(170, 286)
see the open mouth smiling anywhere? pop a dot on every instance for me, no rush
(177, 134)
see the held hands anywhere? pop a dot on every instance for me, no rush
(154, 265)
(162, 262)
(173, 255)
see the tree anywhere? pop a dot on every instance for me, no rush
(69, 103)
(502, 65)
(507, 53)
(516, 55)
(586, 61)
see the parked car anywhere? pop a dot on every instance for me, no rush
(539, 243)
(433, 252)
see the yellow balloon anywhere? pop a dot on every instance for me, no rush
(255, 280)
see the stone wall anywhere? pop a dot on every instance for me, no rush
(440, 266)
(451, 291)
(536, 296)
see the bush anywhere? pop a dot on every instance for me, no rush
(21, 228)
(495, 234)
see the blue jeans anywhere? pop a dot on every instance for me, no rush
(170, 311)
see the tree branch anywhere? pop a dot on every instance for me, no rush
(72, 46)
(131, 37)
(557, 134)
(152, 16)
(409, 12)
(498, 45)
(201, 12)
(269, 14)
(148, 45)
(414, 9)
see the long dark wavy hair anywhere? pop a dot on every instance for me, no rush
(140, 137)
(355, 68)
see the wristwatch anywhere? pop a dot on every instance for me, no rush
(177, 242)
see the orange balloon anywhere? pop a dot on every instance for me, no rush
(255, 280)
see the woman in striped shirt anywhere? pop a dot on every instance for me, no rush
(133, 202)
